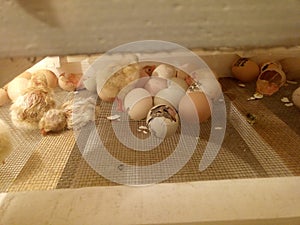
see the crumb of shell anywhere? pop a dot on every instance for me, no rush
(258, 95)
(145, 132)
(251, 98)
(143, 127)
(291, 82)
(113, 117)
(285, 100)
(242, 85)
(289, 104)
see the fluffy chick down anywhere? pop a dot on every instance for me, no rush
(53, 120)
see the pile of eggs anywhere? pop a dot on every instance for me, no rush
(165, 96)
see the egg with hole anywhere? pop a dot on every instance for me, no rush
(169, 96)
(245, 70)
(155, 84)
(296, 97)
(164, 71)
(271, 78)
(162, 121)
(137, 103)
(194, 107)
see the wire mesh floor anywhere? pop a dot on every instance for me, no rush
(268, 148)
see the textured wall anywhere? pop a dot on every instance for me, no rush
(51, 27)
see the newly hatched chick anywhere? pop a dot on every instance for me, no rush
(30, 107)
(5, 141)
(79, 112)
(53, 120)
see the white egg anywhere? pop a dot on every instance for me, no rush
(296, 97)
(155, 84)
(169, 96)
(210, 86)
(164, 71)
(137, 103)
(162, 121)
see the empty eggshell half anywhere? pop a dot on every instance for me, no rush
(162, 121)
(245, 70)
(271, 78)
(137, 103)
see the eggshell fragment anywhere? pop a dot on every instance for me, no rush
(137, 103)
(162, 121)
(296, 97)
(16, 87)
(245, 70)
(271, 78)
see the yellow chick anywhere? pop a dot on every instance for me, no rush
(30, 107)
(53, 120)
(5, 141)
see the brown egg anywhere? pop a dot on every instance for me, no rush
(194, 107)
(245, 70)
(52, 80)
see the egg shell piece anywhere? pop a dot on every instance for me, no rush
(164, 71)
(296, 97)
(155, 84)
(160, 126)
(245, 70)
(169, 96)
(16, 87)
(194, 107)
(137, 103)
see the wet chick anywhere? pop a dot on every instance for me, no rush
(53, 120)
(29, 108)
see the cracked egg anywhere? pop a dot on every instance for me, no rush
(162, 121)
(271, 78)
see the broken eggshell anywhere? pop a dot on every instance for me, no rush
(245, 70)
(162, 121)
(271, 78)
